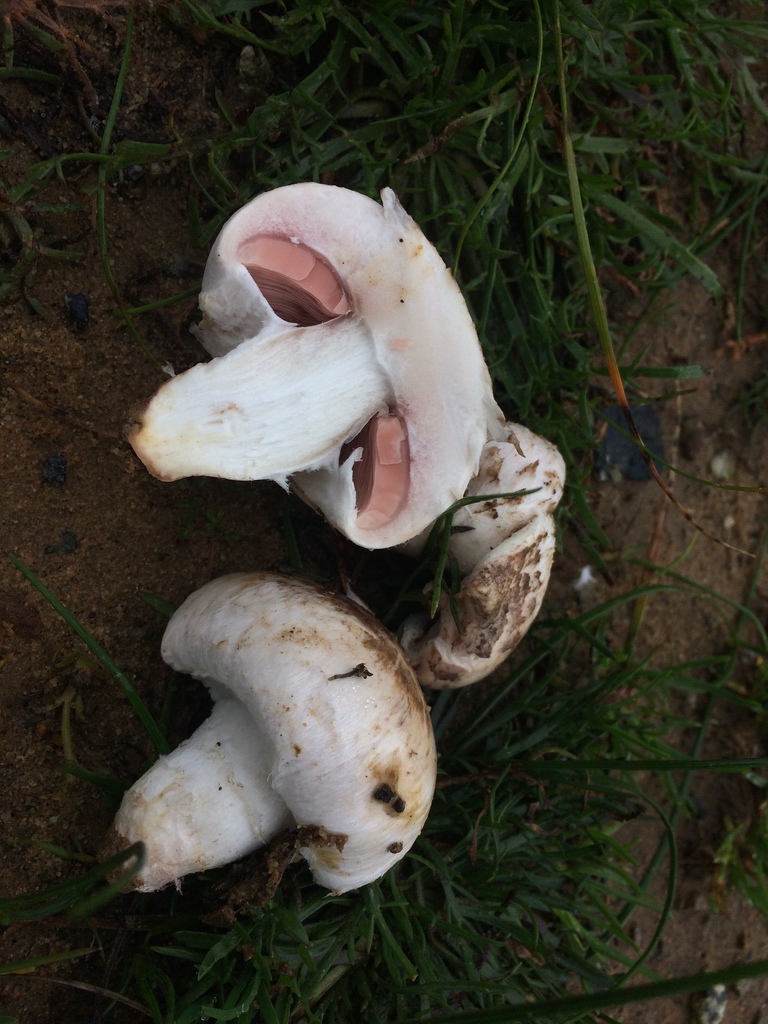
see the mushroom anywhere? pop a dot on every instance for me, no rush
(318, 723)
(344, 359)
(504, 549)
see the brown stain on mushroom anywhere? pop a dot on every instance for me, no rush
(384, 793)
(494, 591)
(327, 847)
(387, 790)
(495, 607)
(222, 410)
(397, 786)
(492, 595)
(388, 796)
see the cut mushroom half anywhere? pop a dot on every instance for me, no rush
(504, 548)
(318, 724)
(345, 361)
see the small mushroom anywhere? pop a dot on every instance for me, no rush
(318, 723)
(345, 361)
(504, 548)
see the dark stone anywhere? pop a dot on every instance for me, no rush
(66, 546)
(55, 469)
(78, 310)
(619, 449)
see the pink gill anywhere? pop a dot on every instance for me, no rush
(382, 475)
(297, 283)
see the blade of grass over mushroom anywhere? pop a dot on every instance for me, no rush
(440, 535)
(142, 712)
(436, 549)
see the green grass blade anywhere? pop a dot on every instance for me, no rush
(581, 1005)
(142, 712)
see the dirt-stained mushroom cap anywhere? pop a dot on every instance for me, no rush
(504, 547)
(318, 721)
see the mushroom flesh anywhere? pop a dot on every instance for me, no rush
(318, 721)
(345, 360)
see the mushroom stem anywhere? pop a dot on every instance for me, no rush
(206, 803)
(258, 412)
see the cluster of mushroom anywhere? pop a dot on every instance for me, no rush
(347, 367)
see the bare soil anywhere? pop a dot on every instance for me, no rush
(102, 532)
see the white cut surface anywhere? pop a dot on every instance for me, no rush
(254, 414)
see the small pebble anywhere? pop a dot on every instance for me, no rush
(175, 264)
(722, 465)
(78, 310)
(710, 1006)
(55, 469)
(66, 546)
(585, 578)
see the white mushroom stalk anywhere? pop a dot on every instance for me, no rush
(318, 721)
(504, 548)
(345, 360)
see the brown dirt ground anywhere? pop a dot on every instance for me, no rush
(69, 392)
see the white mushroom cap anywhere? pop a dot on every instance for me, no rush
(504, 548)
(316, 710)
(346, 360)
